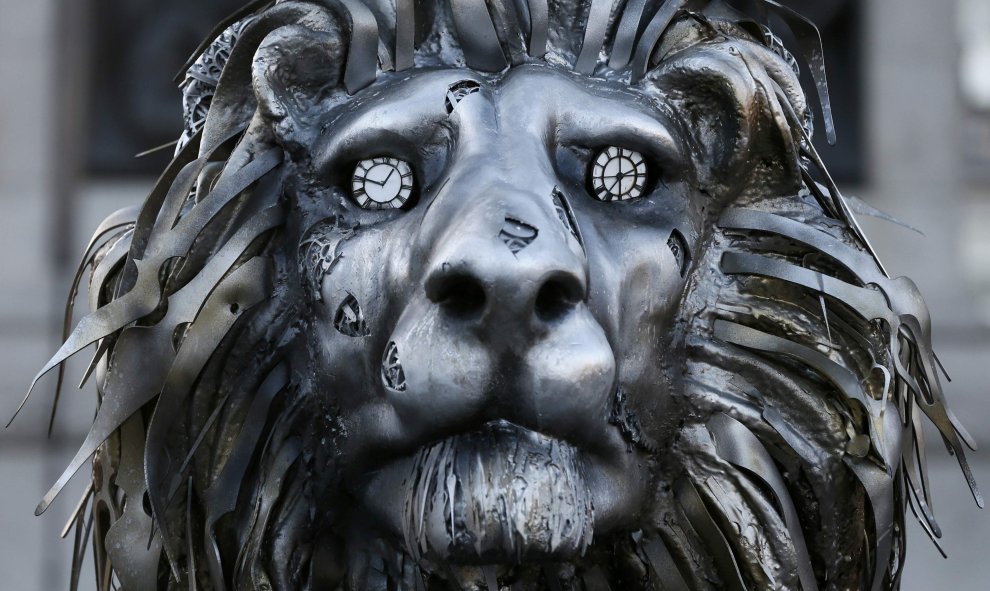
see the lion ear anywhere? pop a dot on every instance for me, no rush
(296, 69)
(728, 98)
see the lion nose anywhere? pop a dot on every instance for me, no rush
(474, 293)
(490, 283)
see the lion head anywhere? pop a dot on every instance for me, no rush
(502, 294)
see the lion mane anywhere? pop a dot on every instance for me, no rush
(806, 371)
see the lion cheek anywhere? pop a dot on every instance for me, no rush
(445, 377)
(566, 383)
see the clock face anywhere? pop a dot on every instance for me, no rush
(618, 174)
(382, 183)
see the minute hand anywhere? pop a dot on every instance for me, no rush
(390, 173)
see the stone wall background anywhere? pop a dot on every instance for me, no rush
(921, 140)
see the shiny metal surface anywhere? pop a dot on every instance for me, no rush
(506, 382)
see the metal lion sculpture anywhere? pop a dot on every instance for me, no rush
(504, 294)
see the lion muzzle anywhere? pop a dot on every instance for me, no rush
(499, 495)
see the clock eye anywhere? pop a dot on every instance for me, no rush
(382, 183)
(618, 174)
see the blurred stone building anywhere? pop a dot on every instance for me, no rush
(86, 84)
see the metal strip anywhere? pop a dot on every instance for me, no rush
(102, 347)
(405, 34)
(78, 511)
(808, 149)
(178, 195)
(919, 487)
(507, 14)
(760, 11)
(625, 34)
(156, 343)
(118, 220)
(114, 258)
(134, 557)
(869, 304)
(697, 514)
(126, 216)
(83, 528)
(245, 287)
(841, 377)
(221, 497)
(146, 218)
(664, 565)
(810, 41)
(594, 35)
(880, 491)
(910, 318)
(854, 261)
(152, 205)
(239, 14)
(190, 550)
(651, 37)
(476, 31)
(738, 445)
(287, 454)
(145, 296)
(182, 472)
(362, 52)
(539, 17)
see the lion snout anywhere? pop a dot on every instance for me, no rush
(501, 328)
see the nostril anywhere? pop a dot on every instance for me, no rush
(556, 298)
(461, 296)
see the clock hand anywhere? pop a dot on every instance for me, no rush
(383, 182)
(390, 173)
(368, 179)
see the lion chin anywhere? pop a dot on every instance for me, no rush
(499, 495)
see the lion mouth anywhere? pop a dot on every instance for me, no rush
(499, 495)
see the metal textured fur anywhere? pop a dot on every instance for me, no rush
(496, 369)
